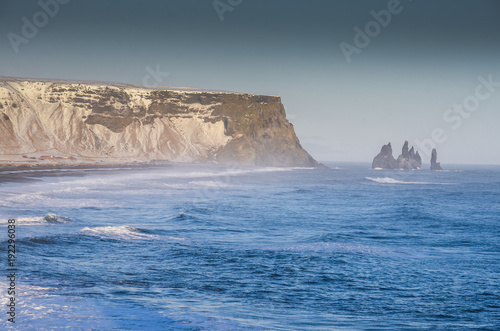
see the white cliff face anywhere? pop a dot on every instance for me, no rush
(43, 117)
(118, 123)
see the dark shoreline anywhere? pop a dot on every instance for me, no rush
(27, 174)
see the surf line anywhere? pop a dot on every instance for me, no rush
(11, 269)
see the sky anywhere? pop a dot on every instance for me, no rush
(352, 75)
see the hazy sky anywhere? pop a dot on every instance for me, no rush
(415, 74)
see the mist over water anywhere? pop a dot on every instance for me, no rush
(199, 247)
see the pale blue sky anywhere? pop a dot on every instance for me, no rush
(424, 61)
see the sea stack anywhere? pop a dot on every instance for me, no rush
(385, 160)
(408, 160)
(435, 166)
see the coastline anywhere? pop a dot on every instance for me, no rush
(50, 159)
(28, 173)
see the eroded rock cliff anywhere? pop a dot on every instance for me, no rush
(133, 123)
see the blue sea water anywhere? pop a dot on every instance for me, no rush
(199, 247)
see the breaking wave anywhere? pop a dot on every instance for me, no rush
(47, 219)
(124, 232)
(388, 180)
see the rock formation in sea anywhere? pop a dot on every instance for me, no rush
(385, 160)
(435, 166)
(101, 122)
(408, 160)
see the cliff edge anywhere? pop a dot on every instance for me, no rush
(44, 120)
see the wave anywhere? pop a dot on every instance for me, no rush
(123, 232)
(182, 216)
(332, 247)
(209, 183)
(46, 307)
(53, 218)
(388, 180)
(47, 219)
(50, 199)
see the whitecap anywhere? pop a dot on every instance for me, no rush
(388, 180)
(53, 218)
(47, 219)
(123, 232)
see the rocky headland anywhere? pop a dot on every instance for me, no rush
(56, 122)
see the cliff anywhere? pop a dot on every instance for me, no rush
(408, 160)
(100, 122)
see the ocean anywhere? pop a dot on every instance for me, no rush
(208, 247)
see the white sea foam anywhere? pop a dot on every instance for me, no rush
(58, 198)
(222, 172)
(124, 232)
(209, 183)
(388, 180)
(47, 219)
(46, 308)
